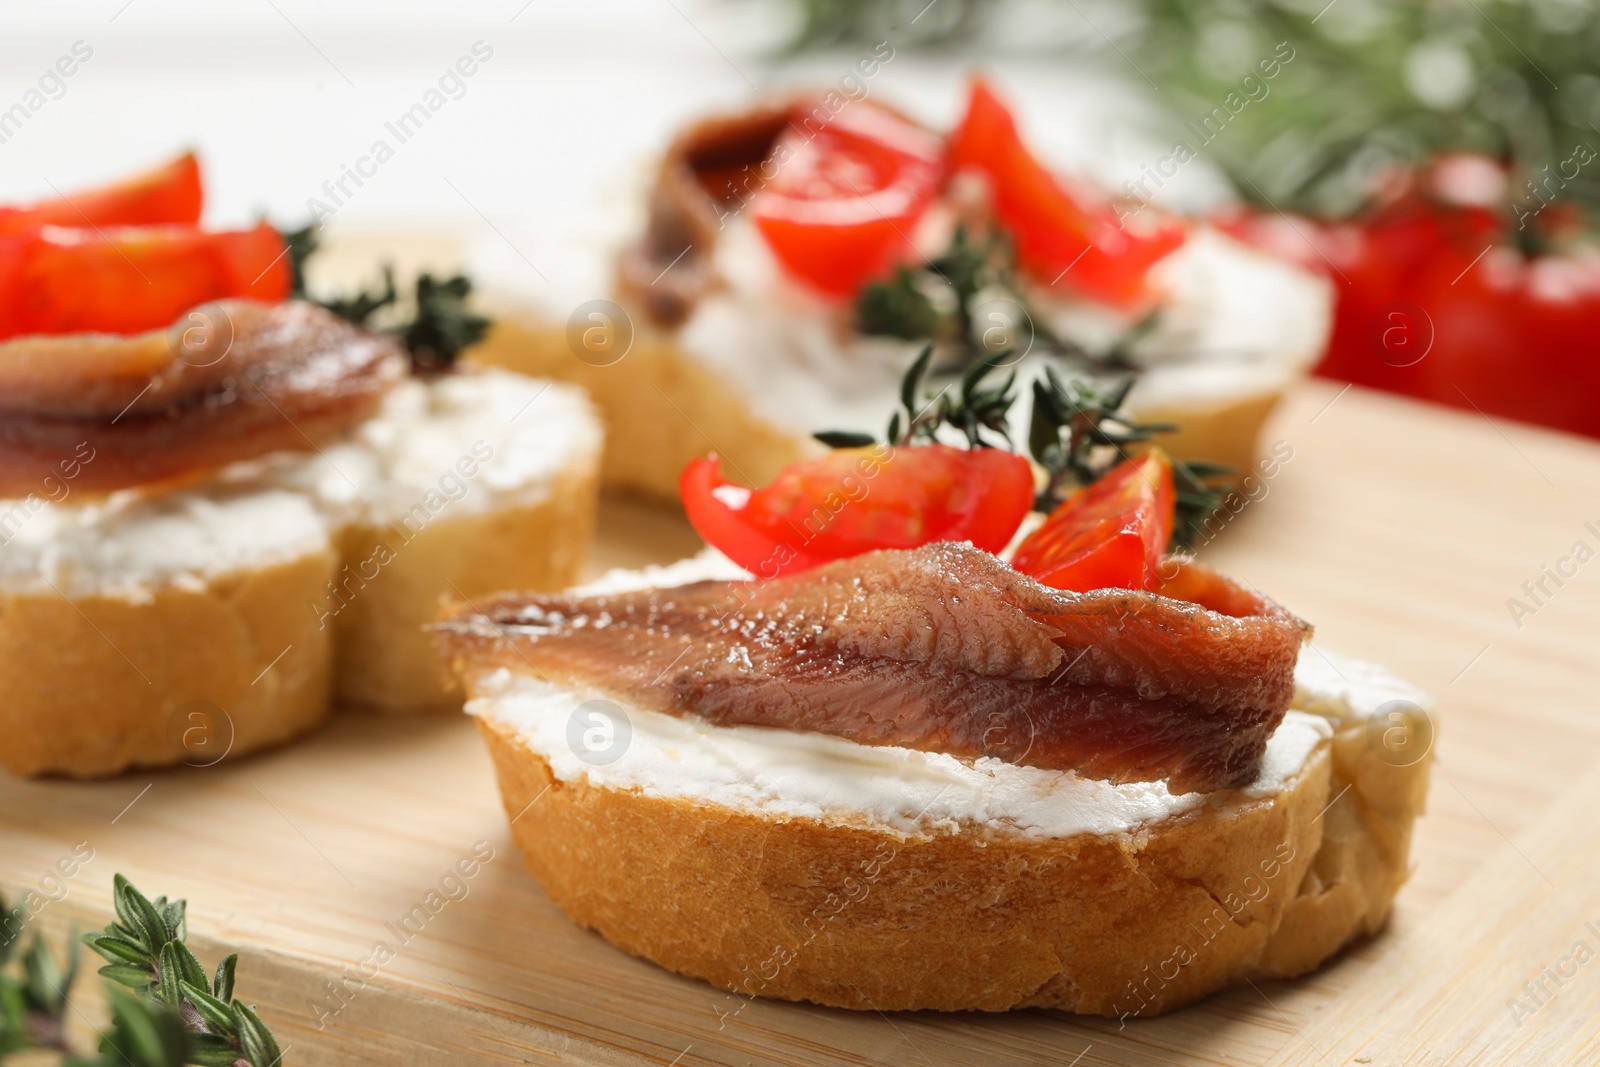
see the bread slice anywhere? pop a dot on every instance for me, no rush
(145, 630)
(462, 485)
(760, 365)
(810, 868)
(661, 408)
(183, 624)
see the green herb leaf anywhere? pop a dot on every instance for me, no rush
(962, 279)
(844, 438)
(1077, 433)
(116, 948)
(189, 969)
(142, 1034)
(132, 975)
(150, 922)
(12, 921)
(1201, 469)
(302, 244)
(978, 371)
(15, 1032)
(257, 1041)
(120, 900)
(46, 988)
(1201, 489)
(912, 379)
(896, 308)
(217, 1013)
(222, 986)
(362, 305)
(169, 972)
(177, 1018)
(441, 325)
(209, 1050)
(444, 326)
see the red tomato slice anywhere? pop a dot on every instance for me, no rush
(128, 280)
(168, 195)
(1110, 534)
(855, 500)
(1062, 233)
(845, 197)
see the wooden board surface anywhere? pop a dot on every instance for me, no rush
(1399, 530)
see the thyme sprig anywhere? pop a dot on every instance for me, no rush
(1078, 432)
(443, 326)
(440, 327)
(33, 1004)
(940, 301)
(975, 408)
(358, 307)
(301, 244)
(174, 1016)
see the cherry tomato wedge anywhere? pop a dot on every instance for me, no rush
(856, 500)
(128, 280)
(1109, 534)
(168, 195)
(844, 196)
(1063, 233)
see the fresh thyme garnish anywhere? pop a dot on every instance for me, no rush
(33, 1004)
(441, 325)
(897, 308)
(360, 306)
(174, 1016)
(1201, 488)
(302, 245)
(1077, 433)
(974, 409)
(940, 302)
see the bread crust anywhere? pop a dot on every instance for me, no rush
(662, 408)
(384, 656)
(1227, 432)
(859, 916)
(94, 685)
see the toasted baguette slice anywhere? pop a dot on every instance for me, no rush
(661, 410)
(461, 486)
(146, 630)
(152, 628)
(811, 868)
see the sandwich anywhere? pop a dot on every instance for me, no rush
(792, 258)
(225, 506)
(895, 742)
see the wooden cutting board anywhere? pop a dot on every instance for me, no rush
(1400, 530)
